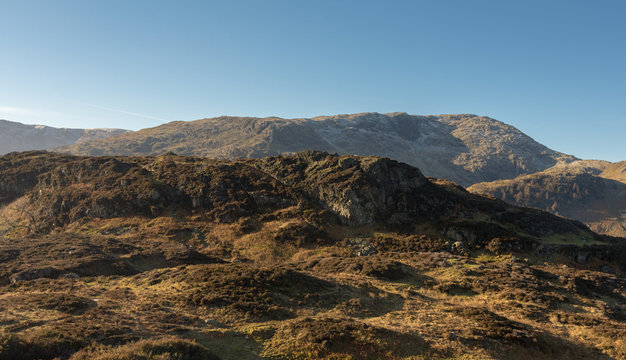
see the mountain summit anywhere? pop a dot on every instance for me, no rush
(463, 148)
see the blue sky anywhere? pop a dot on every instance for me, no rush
(554, 69)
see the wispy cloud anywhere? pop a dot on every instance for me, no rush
(620, 122)
(28, 115)
(126, 112)
(11, 110)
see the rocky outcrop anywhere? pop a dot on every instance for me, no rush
(361, 190)
(32, 274)
(105, 187)
(19, 172)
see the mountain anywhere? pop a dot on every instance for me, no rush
(311, 255)
(467, 149)
(16, 136)
(593, 192)
(463, 148)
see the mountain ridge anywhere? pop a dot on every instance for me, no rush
(463, 148)
(15, 136)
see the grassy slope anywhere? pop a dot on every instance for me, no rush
(615, 171)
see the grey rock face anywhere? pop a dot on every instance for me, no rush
(361, 190)
(364, 206)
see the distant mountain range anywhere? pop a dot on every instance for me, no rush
(15, 136)
(463, 148)
(481, 153)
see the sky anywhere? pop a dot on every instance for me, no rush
(556, 70)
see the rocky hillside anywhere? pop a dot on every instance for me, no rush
(15, 136)
(463, 148)
(467, 149)
(590, 191)
(304, 256)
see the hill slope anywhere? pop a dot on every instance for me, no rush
(16, 136)
(615, 171)
(463, 148)
(305, 256)
(589, 191)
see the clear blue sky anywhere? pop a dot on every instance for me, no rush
(554, 69)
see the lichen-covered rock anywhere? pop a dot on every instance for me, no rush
(361, 246)
(361, 190)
